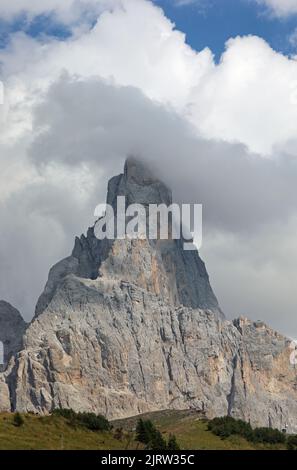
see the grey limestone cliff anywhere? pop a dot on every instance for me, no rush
(129, 326)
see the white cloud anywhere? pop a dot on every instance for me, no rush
(261, 270)
(66, 11)
(280, 8)
(162, 65)
(248, 97)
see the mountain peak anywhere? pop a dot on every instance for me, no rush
(161, 267)
(139, 185)
(138, 171)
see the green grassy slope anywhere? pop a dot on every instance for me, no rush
(54, 433)
(51, 433)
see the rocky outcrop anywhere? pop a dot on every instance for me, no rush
(129, 326)
(12, 328)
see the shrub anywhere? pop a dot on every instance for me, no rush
(66, 413)
(140, 431)
(268, 436)
(18, 420)
(292, 443)
(149, 435)
(227, 426)
(172, 443)
(93, 422)
(145, 431)
(89, 420)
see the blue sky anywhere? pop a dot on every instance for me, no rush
(213, 25)
(209, 26)
(41, 25)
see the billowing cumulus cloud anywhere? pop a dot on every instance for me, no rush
(249, 97)
(65, 11)
(220, 134)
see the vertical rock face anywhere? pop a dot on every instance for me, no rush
(12, 328)
(128, 326)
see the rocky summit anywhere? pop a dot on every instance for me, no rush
(129, 326)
